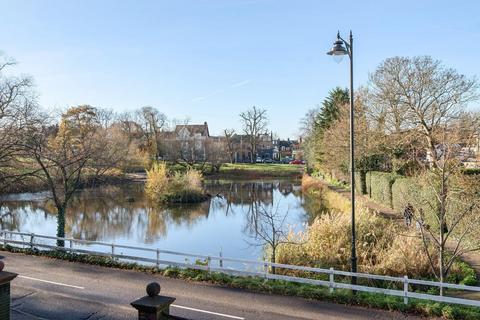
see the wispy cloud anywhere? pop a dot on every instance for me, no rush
(220, 91)
(241, 83)
(214, 93)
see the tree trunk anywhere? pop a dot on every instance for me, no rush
(443, 195)
(441, 271)
(61, 226)
(272, 260)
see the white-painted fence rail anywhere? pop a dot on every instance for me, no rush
(253, 268)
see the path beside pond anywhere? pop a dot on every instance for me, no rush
(472, 258)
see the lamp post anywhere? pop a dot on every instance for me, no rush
(339, 49)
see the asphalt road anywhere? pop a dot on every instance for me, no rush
(55, 289)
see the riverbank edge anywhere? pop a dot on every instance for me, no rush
(233, 172)
(260, 285)
(472, 259)
(37, 186)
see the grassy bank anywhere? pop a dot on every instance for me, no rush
(34, 184)
(255, 284)
(260, 170)
(246, 170)
(383, 246)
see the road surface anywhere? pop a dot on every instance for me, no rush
(56, 289)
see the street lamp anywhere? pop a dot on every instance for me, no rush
(339, 49)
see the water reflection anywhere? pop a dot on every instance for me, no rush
(124, 214)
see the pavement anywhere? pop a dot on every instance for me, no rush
(56, 289)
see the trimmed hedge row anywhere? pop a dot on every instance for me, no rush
(360, 182)
(381, 187)
(397, 192)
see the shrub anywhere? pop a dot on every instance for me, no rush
(157, 181)
(382, 248)
(320, 199)
(309, 183)
(177, 188)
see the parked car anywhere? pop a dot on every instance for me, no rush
(296, 161)
(286, 160)
(258, 160)
(267, 160)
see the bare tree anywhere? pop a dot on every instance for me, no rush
(229, 144)
(447, 212)
(254, 123)
(267, 227)
(18, 110)
(106, 117)
(421, 93)
(215, 153)
(67, 155)
(152, 122)
(129, 126)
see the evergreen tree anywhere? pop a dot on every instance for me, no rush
(330, 110)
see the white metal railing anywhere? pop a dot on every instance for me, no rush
(254, 268)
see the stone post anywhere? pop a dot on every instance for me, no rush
(5, 279)
(153, 306)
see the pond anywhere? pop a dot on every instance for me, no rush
(121, 214)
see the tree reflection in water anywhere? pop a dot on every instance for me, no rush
(124, 212)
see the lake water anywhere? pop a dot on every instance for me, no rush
(223, 223)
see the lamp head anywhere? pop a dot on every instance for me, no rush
(338, 49)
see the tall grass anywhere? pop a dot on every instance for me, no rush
(326, 199)
(383, 246)
(186, 187)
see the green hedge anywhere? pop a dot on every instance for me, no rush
(381, 187)
(368, 183)
(360, 182)
(396, 192)
(471, 171)
(403, 193)
(420, 195)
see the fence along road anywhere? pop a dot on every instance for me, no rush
(231, 266)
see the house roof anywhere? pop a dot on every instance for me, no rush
(194, 129)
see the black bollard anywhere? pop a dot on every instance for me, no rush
(5, 279)
(153, 306)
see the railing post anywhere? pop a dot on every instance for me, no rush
(220, 261)
(113, 251)
(71, 244)
(332, 281)
(158, 258)
(32, 235)
(265, 269)
(208, 263)
(405, 289)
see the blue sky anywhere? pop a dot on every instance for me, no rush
(209, 60)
